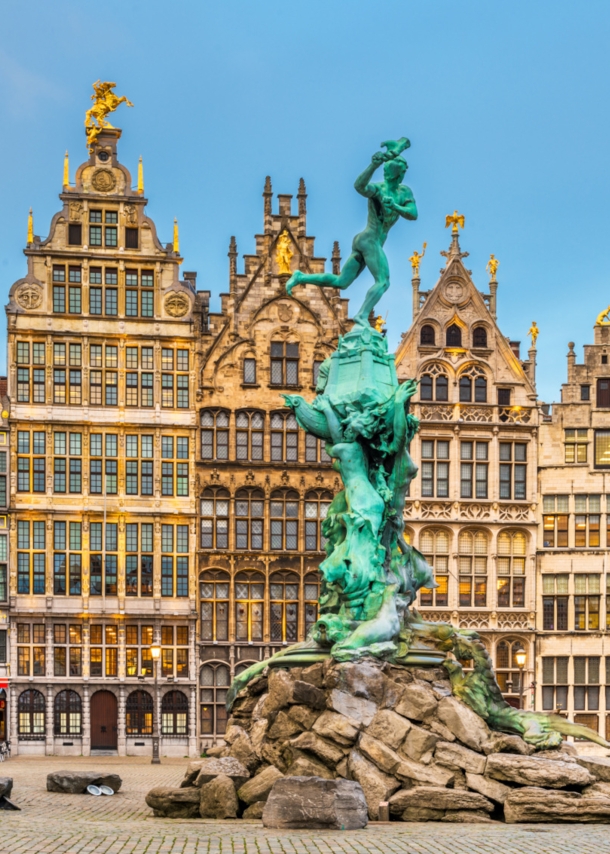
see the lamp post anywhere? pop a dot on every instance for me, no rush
(155, 652)
(521, 658)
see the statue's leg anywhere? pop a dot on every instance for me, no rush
(377, 262)
(350, 272)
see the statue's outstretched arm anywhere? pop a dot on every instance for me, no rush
(361, 184)
(408, 209)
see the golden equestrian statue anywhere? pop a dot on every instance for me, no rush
(534, 332)
(603, 318)
(492, 267)
(105, 101)
(454, 220)
(283, 253)
(415, 260)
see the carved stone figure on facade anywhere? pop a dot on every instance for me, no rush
(283, 253)
(534, 332)
(388, 200)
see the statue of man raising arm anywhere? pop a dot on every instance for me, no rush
(387, 201)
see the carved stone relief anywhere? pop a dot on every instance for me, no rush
(177, 305)
(29, 296)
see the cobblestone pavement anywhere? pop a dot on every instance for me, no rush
(80, 824)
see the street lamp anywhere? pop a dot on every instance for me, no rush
(155, 652)
(521, 658)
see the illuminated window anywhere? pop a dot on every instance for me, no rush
(174, 713)
(575, 446)
(214, 682)
(472, 561)
(555, 521)
(435, 547)
(68, 713)
(215, 519)
(249, 606)
(139, 713)
(511, 569)
(555, 683)
(214, 593)
(31, 715)
(284, 606)
(508, 674)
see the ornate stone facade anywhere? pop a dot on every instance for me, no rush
(263, 485)
(573, 614)
(472, 508)
(102, 335)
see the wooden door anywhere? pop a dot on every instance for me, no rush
(104, 721)
(603, 393)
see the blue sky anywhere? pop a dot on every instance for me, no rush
(506, 106)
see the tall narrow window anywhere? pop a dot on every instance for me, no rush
(435, 546)
(586, 602)
(215, 519)
(249, 606)
(284, 520)
(214, 681)
(511, 569)
(454, 336)
(473, 548)
(555, 683)
(555, 603)
(214, 593)
(508, 673)
(214, 434)
(284, 595)
(284, 363)
(513, 470)
(249, 519)
(435, 468)
(426, 336)
(555, 521)
(479, 337)
(249, 435)
(316, 510)
(249, 371)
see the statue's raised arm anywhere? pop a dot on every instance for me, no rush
(388, 200)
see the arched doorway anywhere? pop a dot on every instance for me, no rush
(104, 721)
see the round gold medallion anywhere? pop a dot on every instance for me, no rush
(103, 181)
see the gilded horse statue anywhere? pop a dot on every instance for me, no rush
(105, 102)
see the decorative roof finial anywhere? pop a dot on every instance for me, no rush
(534, 332)
(30, 227)
(492, 267)
(140, 177)
(66, 182)
(415, 260)
(455, 219)
(176, 237)
(336, 258)
(105, 102)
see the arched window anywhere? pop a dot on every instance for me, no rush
(31, 710)
(214, 434)
(425, 387)
(285, 520)
(215, 519)
(139, 713)
(480, 390)
(249, 432)
(427, 336)
(284, 589)
(67, 713)
(174, 713)
(312, 594)
(249, 606)
(479, 337)
(249, 519)
(435, 546)
(508, 674)
(214, 681)
(284, 438)
(472, 549)
(214, 592)
(442, 388)
(511, 569)
(465, 390)
(316, 510)
(454, 336)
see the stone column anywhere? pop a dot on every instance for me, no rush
(86, 736)
(193, 751)
(49, 722)
(122, 734)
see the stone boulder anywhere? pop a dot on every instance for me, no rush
(491, 789)
(357, 708)
(501, 742)
(456, 756)
(596, 765)
(339, 728)
(218, 799)
(536, 771)
(469, 728)
(76, 782)
(6, 787)
(172, 802)
(307, 766)
(254, 811)
(389, 728)
(439, 798)
(376, 785)
(228, 766)
(417, 701)
(533, 804)
(258, 788)
(328, 752)
(314, 803)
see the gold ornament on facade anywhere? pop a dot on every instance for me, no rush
(177, 305)
(492, 267)
(455, 219)
(103, 181)
(379, 323)
(534, 332)
(283, 253)
(30, 227)
(415, 260)
(29, 296)
(104, 102)
(603, 318)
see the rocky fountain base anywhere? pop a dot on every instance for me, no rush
(418, 753)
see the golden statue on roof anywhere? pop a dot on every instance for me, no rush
(455, 219)
(415, 260)
(105, 102)
(283, 253)
(534, 332)
(492, 267)
(603, 318)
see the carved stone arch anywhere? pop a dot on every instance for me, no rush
(436, 367)
(474, 368)
(304, 309)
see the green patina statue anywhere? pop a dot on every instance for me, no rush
(387, 201)
(371, 575)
